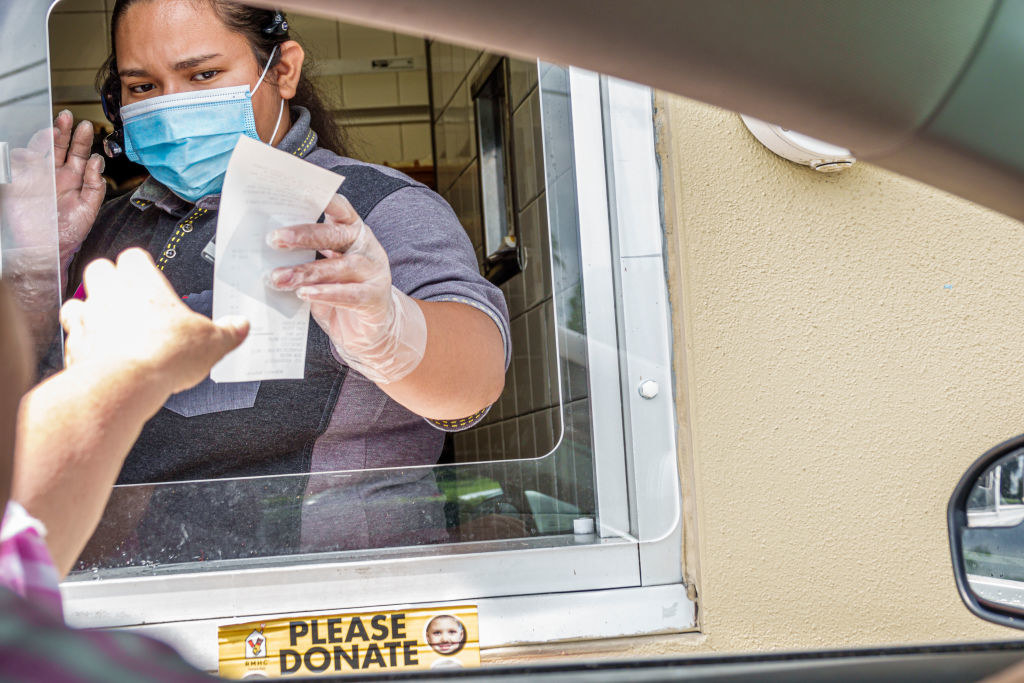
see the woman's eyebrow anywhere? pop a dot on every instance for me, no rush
(183, 65)
(193, 62)
(133, 73)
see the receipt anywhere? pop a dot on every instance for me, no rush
(264, 189)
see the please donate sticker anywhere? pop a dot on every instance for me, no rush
(422, 638)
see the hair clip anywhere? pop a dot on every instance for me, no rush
(278, 26)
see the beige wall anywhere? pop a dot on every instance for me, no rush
(846, 345)
(852, 344)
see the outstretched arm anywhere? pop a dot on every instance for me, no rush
(130, 345)
(442, 360)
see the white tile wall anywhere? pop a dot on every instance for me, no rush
(408, 46)
(416, 142)
(550, 395)
(461, 136)
(471, 215)
(473, 62)
(521, 359)
(524, 155)
(516, 296)
(545, 275)
(461, 61)
(513, 477)
(441, 153)
(360, 41)
(78, 40)
(456, 139)
(443, 70)
(86, 112)
(524, 417)
(540, 383)
(80, 6)
(63, 77)
(383, 142)
(483, 444)
(538, 140)
(522, 79)
(435, 50)
(497, 451)
(537, 275)
(464, 197)
(543, 429)
(370, 90)
(318, 37)
(528, 447)
(330, 89)
(412, 88)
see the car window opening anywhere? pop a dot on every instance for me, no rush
(467, 125)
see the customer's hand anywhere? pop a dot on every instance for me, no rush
(376, 329)
(80, 187)
(132, 320)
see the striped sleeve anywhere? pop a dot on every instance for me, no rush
(26, 567)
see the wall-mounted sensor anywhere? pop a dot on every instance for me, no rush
(799, 148)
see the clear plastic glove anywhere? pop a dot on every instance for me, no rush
(132, 319)
(28, 216)
(80, 187)
(379, 331)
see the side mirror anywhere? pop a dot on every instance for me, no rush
(986, 534)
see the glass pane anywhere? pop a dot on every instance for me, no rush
(526, 470)
(214, 524)
(483, 494)
(28, 226)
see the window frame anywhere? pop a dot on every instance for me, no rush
(633, 566)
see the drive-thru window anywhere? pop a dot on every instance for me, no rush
(557, 516)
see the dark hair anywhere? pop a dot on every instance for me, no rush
(263, 29)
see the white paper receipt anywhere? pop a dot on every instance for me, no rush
(264, 189)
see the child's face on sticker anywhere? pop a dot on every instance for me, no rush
(445, 634)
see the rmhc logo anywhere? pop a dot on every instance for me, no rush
(256, 644)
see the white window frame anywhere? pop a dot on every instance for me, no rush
(626, 581)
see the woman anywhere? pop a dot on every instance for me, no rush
(409, 340)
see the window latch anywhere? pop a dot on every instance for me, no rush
(5, 164)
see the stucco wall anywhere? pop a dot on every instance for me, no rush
(851, 343)
(845, 346)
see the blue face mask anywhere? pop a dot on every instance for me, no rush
(185, 140)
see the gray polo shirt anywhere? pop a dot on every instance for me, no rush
(335, 419)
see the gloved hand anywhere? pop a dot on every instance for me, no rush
(80, 187)
(379, 331)
(27, 217)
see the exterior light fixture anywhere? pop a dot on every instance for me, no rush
(799, 148)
